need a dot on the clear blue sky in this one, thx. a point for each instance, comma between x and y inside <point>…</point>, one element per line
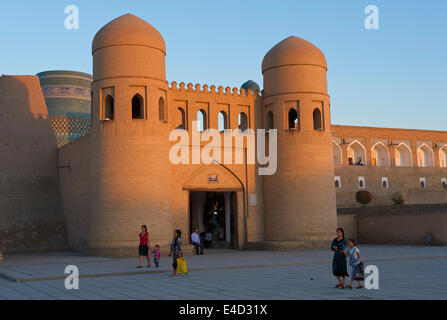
<point>391,77</point>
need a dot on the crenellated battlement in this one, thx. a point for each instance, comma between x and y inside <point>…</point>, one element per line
<point>212,90</point>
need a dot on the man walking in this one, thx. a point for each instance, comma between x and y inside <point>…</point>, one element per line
<point>196,241</point>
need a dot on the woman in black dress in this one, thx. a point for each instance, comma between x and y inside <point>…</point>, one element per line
<point>339,267</point>
<point>176,251</point>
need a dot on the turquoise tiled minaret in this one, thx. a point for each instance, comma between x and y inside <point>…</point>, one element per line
<point>68,98</point>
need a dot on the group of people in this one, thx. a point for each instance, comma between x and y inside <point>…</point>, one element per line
<point>342,249</point>
<point>360,162</point>
<point>143,249</point>
<point>175,252</point>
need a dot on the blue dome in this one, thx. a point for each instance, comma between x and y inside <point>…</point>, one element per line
<point>66,93</point>
<point>251,85</point>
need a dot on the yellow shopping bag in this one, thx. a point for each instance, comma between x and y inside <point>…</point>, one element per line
<point>181,265</point>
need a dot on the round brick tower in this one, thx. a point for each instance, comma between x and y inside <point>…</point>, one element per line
<point>129,147</point>
<point>300,206</point>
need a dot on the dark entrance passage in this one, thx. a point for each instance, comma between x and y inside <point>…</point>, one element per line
<point>214,214</point>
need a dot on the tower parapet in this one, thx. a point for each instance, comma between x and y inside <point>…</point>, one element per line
<point>206,89</point>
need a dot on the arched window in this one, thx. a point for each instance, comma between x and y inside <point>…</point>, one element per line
<point>317,119</point>
<point>243,122</point>
<point>356,154</point>
<point>361,182</point>
<point>161,110</point>
<point>423,183</point>
<point>337,182</point>
<point>137,107</point>
<point>337,153</point>
<point>425,156</point>
<point>403,156</point>
<point>109,108</point>
<point>443,157</point>
<point>269,120</point>
<point>182,124</point>
<point>201,120</point>
<point>222,121</point>
<point>380,155</point>
<point>293,119</point>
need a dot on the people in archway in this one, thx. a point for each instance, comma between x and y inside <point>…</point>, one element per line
<point>176,251</point>
<point>222,227</point>
<point>197,242</point>
<point>360,162</point>
<point>209,237</point>
<point>339,268</point>
<point>144,247</point>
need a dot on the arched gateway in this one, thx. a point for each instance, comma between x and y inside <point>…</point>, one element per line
<point>217,205</point>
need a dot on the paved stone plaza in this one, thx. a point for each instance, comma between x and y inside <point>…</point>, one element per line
<point>406,272</point>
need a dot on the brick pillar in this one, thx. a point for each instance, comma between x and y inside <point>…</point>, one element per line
<point>414,154</point>
<point>368,153</point>
<point>344,153</point>
<point>392,156</point>
<point>436,157</point>
<point>1,257</point>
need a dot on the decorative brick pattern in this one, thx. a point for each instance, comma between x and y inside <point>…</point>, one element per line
<point>68,130</point>
<point>65,91</point>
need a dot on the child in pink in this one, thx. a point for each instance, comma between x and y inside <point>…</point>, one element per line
<point>157,255</point>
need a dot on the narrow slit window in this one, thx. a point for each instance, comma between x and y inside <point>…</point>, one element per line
<point>222,121</point>
<point>182,124</point>
<point>423,183</point>
<point>317,119</point>
<point>109,108</point>
<point>201,120</point>
<point>137,107</point>
<point>337,181</point>
<point>162,110</point>
<point>243,122</point>
<point>293,119</point>
<point>269,120</point>
<point>361,183</point>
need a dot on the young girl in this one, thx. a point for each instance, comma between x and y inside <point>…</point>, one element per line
<point>157,255</point>
<point>354,259</point>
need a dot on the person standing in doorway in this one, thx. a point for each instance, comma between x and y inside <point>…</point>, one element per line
<point>144,247</point>
<point>195,240</point>
<point>339,267</point>
<point>176,251</point>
